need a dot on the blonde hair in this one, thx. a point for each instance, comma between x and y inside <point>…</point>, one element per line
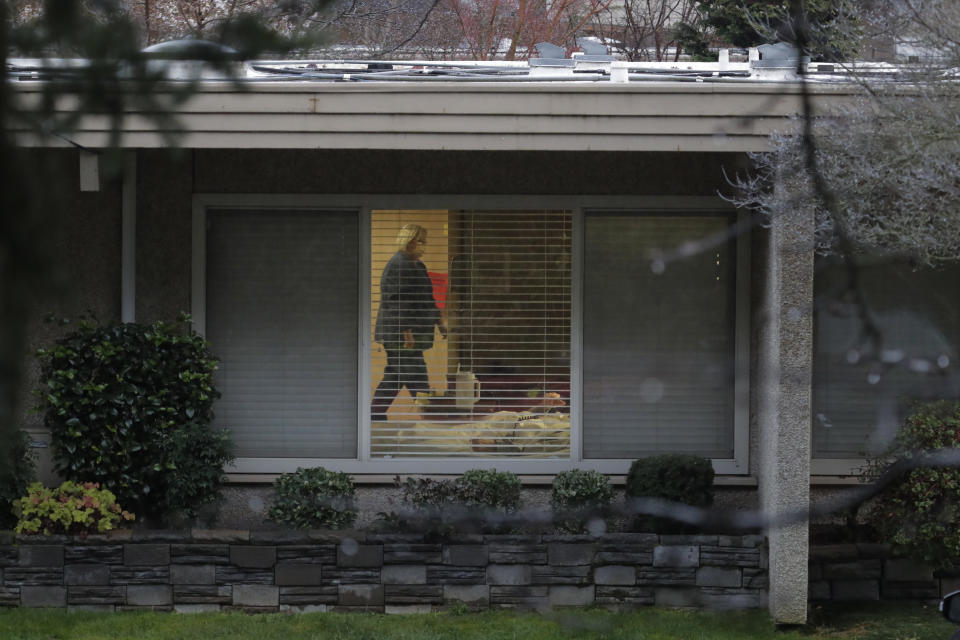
<point>408,235</point>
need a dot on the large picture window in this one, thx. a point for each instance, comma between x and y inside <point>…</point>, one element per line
<point>658,335</point>
<point>471,333</point>
<point>403,340</point>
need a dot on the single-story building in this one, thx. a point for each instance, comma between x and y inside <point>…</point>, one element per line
<point>601,301</point>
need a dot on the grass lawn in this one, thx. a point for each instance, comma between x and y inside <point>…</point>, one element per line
<point>878,622</point>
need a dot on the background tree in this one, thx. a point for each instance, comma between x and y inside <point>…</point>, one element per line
<point>510,28</point>
<point>640,30</point>
<point>889,158</point>
<point>827,25</point>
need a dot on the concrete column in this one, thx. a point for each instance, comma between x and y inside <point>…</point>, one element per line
<point>785,363</point>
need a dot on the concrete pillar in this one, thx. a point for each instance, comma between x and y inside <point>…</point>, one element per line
<point>785,361</point>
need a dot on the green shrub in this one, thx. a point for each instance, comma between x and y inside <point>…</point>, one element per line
<point>71,509</point>
<point>476,501</point>
<point>676,477</point>
<point>14,478</point>
<point>490,489</point>
<point>918,512</point>
<point>130,406</point>
<point>577,495</point>
<point>314,499</point>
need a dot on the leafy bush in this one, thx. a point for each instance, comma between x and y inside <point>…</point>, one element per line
<point>577,495</point>
<point>476,501</point>
<point>130,406</point>
<point>676,477</point>
<point>314,499</point>
<point>490,489</point>
<point>15,478</point>
<point>72,509</point>
<point>918,512</point>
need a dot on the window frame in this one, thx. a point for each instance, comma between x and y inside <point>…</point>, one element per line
<point>364,464</point>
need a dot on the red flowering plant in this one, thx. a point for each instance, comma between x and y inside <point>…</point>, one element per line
<point>72,509</point>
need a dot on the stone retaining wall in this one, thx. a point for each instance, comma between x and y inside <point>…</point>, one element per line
<point>206,570</point>
<point>865,572</point>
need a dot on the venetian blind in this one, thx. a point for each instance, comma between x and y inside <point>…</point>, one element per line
<point>498,385</point>
<point>658,344</point>
<point>861,395</point>
<point>282,317</point>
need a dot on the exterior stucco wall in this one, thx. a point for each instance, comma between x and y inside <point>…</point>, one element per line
<point>80,235</point>
<point>164,228</point>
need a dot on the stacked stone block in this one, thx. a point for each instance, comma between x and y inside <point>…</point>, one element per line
<point>207,570</point>
<point>869,572</point>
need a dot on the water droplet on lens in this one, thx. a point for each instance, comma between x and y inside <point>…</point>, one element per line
<point>596,526</point>
<point>651,390</point>
<point>892,355</point>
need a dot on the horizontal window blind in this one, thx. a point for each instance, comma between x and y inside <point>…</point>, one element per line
<point>658,344</point>
<point>498,384</point>
<point>282,317</point>
<point>861,395</point>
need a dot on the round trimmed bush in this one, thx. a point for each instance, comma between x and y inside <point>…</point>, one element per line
<point>314,499</point>
<point>675,477</point>
<point>577,495</point>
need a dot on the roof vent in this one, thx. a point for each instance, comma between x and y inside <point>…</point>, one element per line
<point>190,59</point>
<point>593,50</point>
<point>776,62</point>
<point>550,55</point>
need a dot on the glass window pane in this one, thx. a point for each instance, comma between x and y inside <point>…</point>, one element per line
<point>658,343</point>
<point>282,317</point>
<point>862,390</point>
<point>498,384</point>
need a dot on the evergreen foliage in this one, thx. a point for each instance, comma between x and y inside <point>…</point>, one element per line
<point>15,478</point>
<point>476,501</point>
<point>129,406</point>
<point>578,495</point>
<point>314,498</point>
<point>919,511</point>
<point>675,477</point>
<point>827,28</point>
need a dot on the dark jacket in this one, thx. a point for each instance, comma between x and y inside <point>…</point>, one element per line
<point>406,302</point>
